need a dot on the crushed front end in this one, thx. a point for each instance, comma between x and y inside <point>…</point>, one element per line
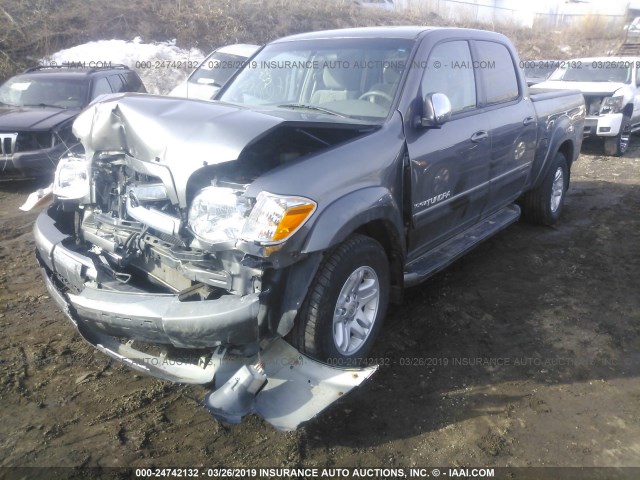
<point>604,115</point>
<point>172,269</point>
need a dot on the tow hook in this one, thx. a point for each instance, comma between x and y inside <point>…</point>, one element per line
<point>237,397</point>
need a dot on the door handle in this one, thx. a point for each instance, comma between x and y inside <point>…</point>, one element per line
<point>528,121</point>
<point>479,136</point>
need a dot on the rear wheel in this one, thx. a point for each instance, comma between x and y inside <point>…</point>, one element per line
<point>618,145</point>
<point>346,304</point>
<point>544,204</point>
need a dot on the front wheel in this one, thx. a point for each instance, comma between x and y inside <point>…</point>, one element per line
<point>346,304</point>
<point>618,145</point>
<point>544,204</point>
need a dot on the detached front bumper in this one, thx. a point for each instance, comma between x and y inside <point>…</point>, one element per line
<point>295,388</point>
<point>603,125</point>
<point>279,384</point>
<point>127,311</point>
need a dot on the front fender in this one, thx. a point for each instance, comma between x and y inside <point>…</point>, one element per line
<point>626,93</point>
<point>334,224</point>
<point>349,213</point>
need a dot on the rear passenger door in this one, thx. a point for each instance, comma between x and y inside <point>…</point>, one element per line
<point>450,164</point>
<point>512,122</point>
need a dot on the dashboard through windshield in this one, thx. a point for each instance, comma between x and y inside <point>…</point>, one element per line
<point>356,78</point>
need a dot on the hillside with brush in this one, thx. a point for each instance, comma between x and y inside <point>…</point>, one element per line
<point>33,29</point>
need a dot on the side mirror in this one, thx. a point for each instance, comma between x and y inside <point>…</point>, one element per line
<point>436,110</point>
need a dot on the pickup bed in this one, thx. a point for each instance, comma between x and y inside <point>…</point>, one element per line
<point>259,239</point>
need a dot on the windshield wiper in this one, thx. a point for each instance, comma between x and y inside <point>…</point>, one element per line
<point>312,107</point>
<point>45,105</point>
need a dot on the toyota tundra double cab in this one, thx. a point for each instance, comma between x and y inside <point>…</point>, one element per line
<point>254,243</point>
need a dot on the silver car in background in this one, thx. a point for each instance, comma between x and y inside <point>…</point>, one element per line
<point>214,71</point>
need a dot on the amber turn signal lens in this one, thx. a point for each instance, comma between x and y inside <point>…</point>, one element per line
<point>293,218</point>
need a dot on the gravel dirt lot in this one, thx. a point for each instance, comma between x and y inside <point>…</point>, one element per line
<point>526,352</point>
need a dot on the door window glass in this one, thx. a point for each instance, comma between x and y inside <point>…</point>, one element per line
<point>101,87</point>
<point>498,72</point>
<point>116,83</point>
<point>450,71</point>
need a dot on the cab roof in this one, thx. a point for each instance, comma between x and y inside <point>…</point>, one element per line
<point>72,71</point>
<point>408,32</point>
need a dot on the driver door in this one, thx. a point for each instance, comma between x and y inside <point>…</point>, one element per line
<point>449,165</point>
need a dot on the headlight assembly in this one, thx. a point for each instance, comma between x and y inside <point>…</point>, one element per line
<point>71,181</point>
<point>223,215</point>
<point>611,105</point>
<point>218,214</point>
<point>275,218</point>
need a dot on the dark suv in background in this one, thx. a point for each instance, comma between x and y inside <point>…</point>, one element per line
<point>38,106</point>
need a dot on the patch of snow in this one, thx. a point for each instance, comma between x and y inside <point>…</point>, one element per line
<point>161,65</point>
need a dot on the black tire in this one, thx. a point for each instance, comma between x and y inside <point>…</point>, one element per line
<point>618,145</point>
<point>313,333</point>
<point>542,205</point>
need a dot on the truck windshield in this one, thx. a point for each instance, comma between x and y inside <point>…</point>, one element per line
<point>356,78</point>
<point>217,69</point>
<point>587,71</point>
<point>32,91</point>
<point>541,69</point>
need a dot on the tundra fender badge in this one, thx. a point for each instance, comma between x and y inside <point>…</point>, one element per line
<point>433,200</point>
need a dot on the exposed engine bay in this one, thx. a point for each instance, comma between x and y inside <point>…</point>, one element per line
<point>142,226</point>
<point>135,223</point>
<point>593,104</point>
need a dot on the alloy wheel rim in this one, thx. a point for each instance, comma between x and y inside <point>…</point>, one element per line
<point>557,190</point>
<point>356,310</point>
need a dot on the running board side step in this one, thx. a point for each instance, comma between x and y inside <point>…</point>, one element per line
<point>432,262</point>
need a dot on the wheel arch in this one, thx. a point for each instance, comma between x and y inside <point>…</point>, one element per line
<point>567,149</point>
<point>373,212</point>
<point>383,232</point>
<point>561,141</point>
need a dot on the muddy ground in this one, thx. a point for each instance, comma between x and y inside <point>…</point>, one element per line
<point>524,353</point>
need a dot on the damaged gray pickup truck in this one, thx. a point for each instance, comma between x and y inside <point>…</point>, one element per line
<point>253,243</point>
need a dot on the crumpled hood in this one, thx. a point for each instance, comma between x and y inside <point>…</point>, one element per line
<point>182,135</point>
<point>171,131</point>
<point>20,119</point>
<point>602,88</point>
